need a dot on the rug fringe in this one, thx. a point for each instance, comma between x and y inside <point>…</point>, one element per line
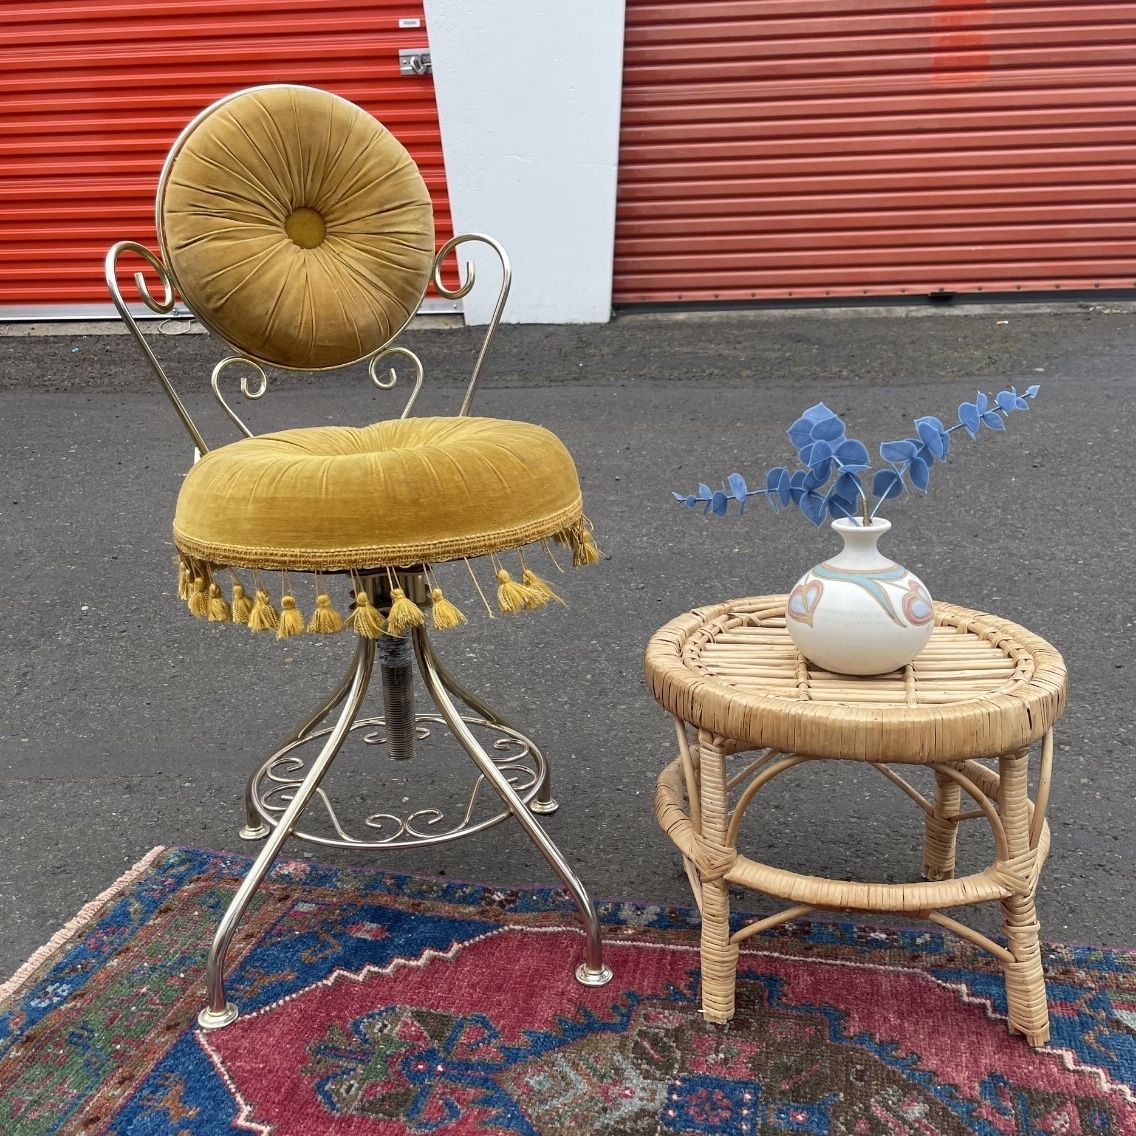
<point>86,915</point>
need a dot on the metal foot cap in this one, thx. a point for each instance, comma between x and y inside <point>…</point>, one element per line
<point>218,1019</point>
<point>543,808</point>
<point>588,977</point>
<point>253,831</point>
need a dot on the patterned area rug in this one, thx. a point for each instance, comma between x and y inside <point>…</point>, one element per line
<point>375,1003</point>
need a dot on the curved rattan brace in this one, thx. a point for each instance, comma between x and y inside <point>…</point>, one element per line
<point>161,307</point>
<point>464,288</point>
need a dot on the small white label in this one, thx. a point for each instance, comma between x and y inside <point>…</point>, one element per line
<point>410,22</point>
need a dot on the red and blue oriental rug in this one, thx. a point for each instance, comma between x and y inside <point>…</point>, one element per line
<point>374,1003</point>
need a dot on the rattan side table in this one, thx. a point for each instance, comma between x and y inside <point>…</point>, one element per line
<point>983,688</point>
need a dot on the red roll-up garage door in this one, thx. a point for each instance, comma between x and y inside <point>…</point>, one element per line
<point>775,149</point>
<point>93,94</point>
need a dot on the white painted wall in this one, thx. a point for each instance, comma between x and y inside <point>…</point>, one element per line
<point>528,99</point>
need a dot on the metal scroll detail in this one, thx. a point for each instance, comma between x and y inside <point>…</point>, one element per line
<point>388,384</point>
<point>161,307</point>
<point>464,288</point>
<point>251,393</point>
<point>275,783</point>
<point>255,385</point>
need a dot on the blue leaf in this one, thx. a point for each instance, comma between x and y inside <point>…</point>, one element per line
<point>815,453</point>
<point>783,483</point>
<point>920,473</point>
<point>738,486</point>
<point>969,417</point>
<point>1006,401</point>
<point>898,451</point>
<point>705,493</point>
<point>933,435</point>
<point>982,403</point>
<point>797,485</point>
<point>818,412</point>
<point>680,497</point>
<point>887,483</point>
<point>850,452</point>
<point>828,429</point>
<point>814,479</point>
<point>1031,391</point>
<point>691,501</point>
<point>800,433</point>
<point>814,508</point>
<point>840,506</point>
<point>847,485</point>
<point>719,504</point>
<point>994,420</point>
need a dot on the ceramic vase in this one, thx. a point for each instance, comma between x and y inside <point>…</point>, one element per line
<point>859,613</point>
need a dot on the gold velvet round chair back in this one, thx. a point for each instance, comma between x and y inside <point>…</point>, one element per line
<point>295,226</point>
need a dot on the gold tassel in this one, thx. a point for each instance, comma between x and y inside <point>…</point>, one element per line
<point>404,614</point>
<point>511,596</point>
<point>199,598</point>
<point>291,621</point>
<point>584,551</point>
<point>445,614</point>
<point>263,617</point>
<point>325,619</point>
<point>366,619</point>
<point>242,605</point>
<point>540,589</point>
<point>183,580</point>
<point>219,610</point>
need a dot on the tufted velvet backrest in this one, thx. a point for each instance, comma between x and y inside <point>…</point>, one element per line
<point>295,226</point>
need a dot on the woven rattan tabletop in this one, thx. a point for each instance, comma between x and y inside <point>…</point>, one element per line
<point>983,686</point>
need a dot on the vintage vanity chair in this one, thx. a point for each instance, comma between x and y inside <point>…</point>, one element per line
<point>298,230</point>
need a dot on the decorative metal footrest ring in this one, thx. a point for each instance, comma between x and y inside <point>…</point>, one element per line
<point>274,784</point>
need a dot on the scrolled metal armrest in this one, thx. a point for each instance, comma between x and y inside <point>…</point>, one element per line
<point>464,288</point>
<point>162,307</point>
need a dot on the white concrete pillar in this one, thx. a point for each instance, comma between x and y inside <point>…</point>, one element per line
<point>529,99</point>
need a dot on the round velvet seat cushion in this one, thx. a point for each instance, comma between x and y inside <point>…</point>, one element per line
<point>402,492</point>
<point>296,226</point>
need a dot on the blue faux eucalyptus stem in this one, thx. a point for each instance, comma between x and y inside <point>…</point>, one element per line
<point>832,465</point>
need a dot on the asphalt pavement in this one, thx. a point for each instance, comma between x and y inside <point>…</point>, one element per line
<point>126,724</point>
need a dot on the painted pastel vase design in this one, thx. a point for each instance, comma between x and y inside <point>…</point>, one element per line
<point>860,613</point>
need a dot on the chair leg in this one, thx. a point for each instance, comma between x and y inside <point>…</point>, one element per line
<point>254,827</point>
<point>1025,981</point>
<point>941,830</point>
<point>544,803</point>
<point>592,971</point>
<point>219,1011</point>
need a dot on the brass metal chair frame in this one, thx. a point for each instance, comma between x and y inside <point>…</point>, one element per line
<point>279,793</point>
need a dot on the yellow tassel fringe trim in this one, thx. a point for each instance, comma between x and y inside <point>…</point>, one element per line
<point>541,587</point>
<point>263,617</point>
<point>199,598</point>
<point>445,614</point>
<point>404,614</point>
<point>205,600</point>
<point>219,610</point>
<point>325,619</point>
<point>291,620</point>
<point>513,597</point>
<point>366,619</point>
<point>242,605</point>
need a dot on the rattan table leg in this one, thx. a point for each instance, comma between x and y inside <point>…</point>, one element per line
<point>941,831</point>
<point>719,956</point>
<point>1025,982</point>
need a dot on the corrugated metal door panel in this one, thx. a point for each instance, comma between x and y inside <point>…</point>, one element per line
<point>781,149</point>
<point>94,93</point>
